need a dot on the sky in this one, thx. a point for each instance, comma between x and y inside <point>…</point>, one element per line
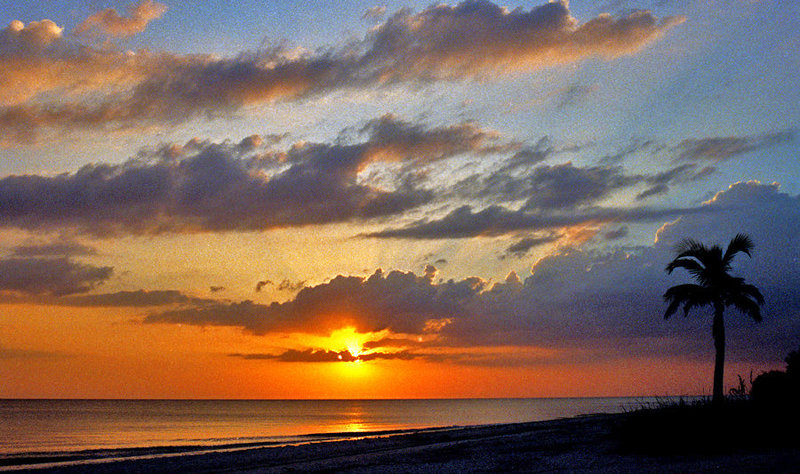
<point>389,200</point>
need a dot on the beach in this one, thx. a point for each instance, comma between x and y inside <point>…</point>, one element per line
<point>580,444</point>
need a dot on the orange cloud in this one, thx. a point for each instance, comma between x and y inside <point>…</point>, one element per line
<point>109,22</point>
<point>469,40</point>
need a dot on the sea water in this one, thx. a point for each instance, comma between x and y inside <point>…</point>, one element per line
<point>63,426</point>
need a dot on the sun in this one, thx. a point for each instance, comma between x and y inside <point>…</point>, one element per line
<point>350,340</point>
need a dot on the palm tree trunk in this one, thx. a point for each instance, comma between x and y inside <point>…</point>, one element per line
<point>718,331</point>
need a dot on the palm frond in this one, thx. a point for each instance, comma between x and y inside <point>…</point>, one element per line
<point>691,248</point>
<point>747,305</point>
<point>741,243</point>
<point>693,266</point>
<point>689,295</point>
<point>752,292</point>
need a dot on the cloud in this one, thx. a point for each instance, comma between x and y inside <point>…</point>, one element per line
<point>289,285</point>
<point>374,13</point>
<point>110,23</point>
<point>322,355</point>
<point>8,353</point>
<point>53,276</point>
<point>475,39</point>
<point>717,149</point>
<point>660,183</point>
<point>614,234</point>
<point>131,299</point>
<point>567,186</point>
<point>586,303</point>
<point>66,249</point>
<point>37,59</point>
<point>464,222</point>
<point>214,187</point>
<point>478,37</point>
<point>402,301</point>
<point>545,187</point>
<point>574,94</point>
<point>393,139</point>
<point>522,247</point>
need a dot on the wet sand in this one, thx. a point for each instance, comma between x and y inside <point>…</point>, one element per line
<point>582,444</point>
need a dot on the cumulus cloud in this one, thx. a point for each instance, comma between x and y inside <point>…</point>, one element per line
<point>110,23</point>
<point>49,276</point>
<point>472,38</point>
<point>402,301</point>
<point>36,58</point>
<point>469,40</point>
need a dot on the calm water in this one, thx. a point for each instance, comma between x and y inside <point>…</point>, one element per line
<point>28,426</point>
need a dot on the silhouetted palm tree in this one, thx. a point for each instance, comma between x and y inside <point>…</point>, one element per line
<point>715,287</point>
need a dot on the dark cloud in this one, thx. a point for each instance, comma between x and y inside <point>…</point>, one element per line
<point>586,303</point>
<point>8,353</point>
<point>468,40</point>
<point>636,145</point>
<point>716,149</point>
<point>49,276</point>
<point>567,186</point>
<point>208,187</point>
<point>261,284</point>
<point>573,95</point>
<point>133,299</point>
<point>216,289</point>
<point>583,301</point>
<point>322,355</point>
<point>392,139</point>
<point>522,247</point>
<point>401,301</point>
<point>617,233</point>
<point>464,222</point>
<point>289,285</point>
<point>65,249</point>
<point>550,187</point>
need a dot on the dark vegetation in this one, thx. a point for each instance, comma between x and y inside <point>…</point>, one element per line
<point>766,419</point>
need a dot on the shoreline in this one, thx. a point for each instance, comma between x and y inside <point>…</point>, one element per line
<point>578,444</point>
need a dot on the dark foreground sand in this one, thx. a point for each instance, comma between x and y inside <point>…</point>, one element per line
<point>583,444</point>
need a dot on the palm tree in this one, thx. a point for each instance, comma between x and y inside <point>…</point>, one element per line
<point>715,287</point>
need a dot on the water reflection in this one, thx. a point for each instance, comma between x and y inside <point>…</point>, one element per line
<point>356,420</point>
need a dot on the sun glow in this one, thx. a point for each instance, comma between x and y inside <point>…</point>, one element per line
<point>351,340</point>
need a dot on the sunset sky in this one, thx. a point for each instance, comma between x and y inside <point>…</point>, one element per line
<point>389,200</point>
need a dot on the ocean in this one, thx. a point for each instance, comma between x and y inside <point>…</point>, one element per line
<point>68,429</point>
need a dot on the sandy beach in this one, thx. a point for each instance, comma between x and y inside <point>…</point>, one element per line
<point>582,444</point>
